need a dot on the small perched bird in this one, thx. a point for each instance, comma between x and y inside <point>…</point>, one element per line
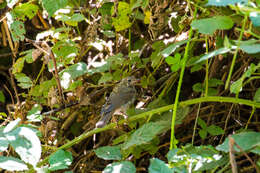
<point>122,96</point>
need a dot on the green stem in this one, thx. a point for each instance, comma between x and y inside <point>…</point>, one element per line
<point>236,52</point>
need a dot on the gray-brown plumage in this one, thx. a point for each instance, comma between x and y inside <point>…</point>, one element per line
<point>122,96</point>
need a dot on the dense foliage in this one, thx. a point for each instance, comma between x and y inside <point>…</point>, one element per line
<point>198,96</point>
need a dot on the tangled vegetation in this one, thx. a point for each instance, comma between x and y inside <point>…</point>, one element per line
<point>198,95</point>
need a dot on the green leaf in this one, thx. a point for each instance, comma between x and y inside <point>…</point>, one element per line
<point>156,54</point>
<point>251,49</point>
<point>3,142</point>
<point>225,2</point>
<point>71,20</point>
<point>26,9</point>
<point>105,9</point>
<point>157,166</point>
<point>236,87</point>
<point>257,96</point>
<point>213,53</point>
<point>255,18</point>
<point>60,160</point>
<point>71,73</point>
<point>11,126</point>
<point>203,133</point>
<point>18,65</point>
<point>121,22</point>
<point>172,47</point>
<point>215,23</point>
<point>28,55</point>
<point>120,167</point>
<point>12,164</point>
<point>2,97</point>
<point>17,30</point>
<point>197,87</point>
<point>202,123</point>
<point>34,115</point>
<point>109,153</point>
<point>215,130</point>
<point>174,62</point>
<point>42,89</point>
<point>213,82</point>
<point>106,77</point>
<point>246,140</point>
<point>26,143</point>
<point>52,6</point>
<point>145,134</point>
<point>24,81</point>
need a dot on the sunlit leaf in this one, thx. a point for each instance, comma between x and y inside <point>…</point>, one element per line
<point>109,153</point>
<point>157,166</point>
<point>215,23</point>
<point>12,164</point>
<point>60,160</point>
<point>214,53</point>
<point>120,167</point>
<point>52,6</point>
<point>225,2</point>
<point>255,18</point>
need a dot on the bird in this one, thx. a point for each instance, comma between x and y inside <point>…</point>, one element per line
<point>122,96</point>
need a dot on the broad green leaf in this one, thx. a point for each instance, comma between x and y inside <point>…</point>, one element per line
<point>202,123</point>
<point>171,48</point>
<point>157,165</point>
<point>251,49</point>
<point>71,20</point>
<point>34,115</point>
<point>28,55</point>
<point>18,65</point>
<point>215,130</point>
<point>71,73</point>
<point>12,164</point>
<point>203,133</point>
<point>105,9</point>
<point>109,153</point>
<point>174,62</point>
<point>213,82</point>
<point>225,2</point>
<point>246,140</point>
<point>42,89</point>
<point>236,87</point>
<point>214,53</point>
<point>12,125</point>
<point>121,22</point>
<point>215,23</point>
<point>26,9</point>
<point>257,96</point>
<point>197,87</point>
<point>65,50</point>
<point>145,134</point>
<point>255,18</point>
<point>120,167</point>
<point>2,97</point>
<point>24,81</point>
<point>17,30</point>
<point>156,54</point>
<point>52,6</point>
<point>3,142</point>
<point>26,143</point>
<point>60,160</point>
<point>105,78</point>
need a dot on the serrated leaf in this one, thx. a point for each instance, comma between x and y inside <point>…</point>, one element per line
<point>236,87</point>
<point>52,6</point>
<point>157,165</point>
<point>26,9</point>
<point>60,160</point>
<point>257,96</point>
<point>109,153</point>
<point>145,134</point>
<point>120,167</point>
<point>225,2</point>
<point>17,30</point>
<point>215,23</point>
<point>24,81</point>
<point>12,164</point>
<point>215,130</point>
<point>246,140</point>
<point>214,53</point>
<point>18,65</point>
